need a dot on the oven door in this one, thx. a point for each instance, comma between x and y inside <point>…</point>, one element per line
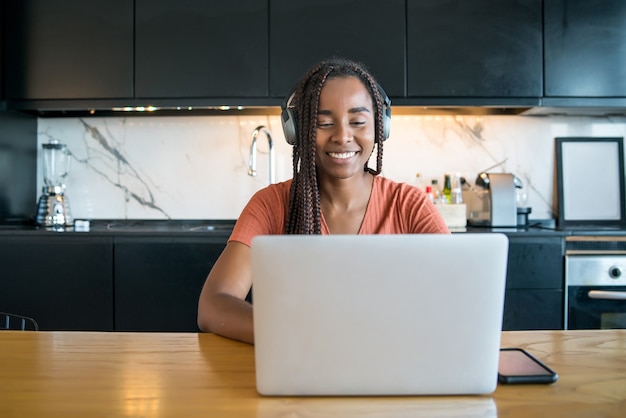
<point>596,307</point>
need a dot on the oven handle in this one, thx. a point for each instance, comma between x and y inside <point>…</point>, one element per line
<point>608,295</point>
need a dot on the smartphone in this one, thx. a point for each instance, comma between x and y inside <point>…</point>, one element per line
<point>519,366</point>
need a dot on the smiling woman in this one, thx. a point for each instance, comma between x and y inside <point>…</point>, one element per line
<point>336,117</point>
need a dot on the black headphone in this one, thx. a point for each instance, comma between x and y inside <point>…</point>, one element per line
<point>288,116</point>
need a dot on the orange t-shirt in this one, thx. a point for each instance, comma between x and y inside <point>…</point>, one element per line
<point>393,208</point>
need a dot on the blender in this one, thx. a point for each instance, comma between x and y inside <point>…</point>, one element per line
<point>53,208</point>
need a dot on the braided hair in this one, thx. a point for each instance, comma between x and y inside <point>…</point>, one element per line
<point>304,216</point>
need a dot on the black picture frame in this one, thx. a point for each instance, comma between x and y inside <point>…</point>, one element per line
<point>590,182</point>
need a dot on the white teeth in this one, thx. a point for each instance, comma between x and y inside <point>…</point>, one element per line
<point>342,155</point>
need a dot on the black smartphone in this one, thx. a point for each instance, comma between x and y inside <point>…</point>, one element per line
<point>519,366</point>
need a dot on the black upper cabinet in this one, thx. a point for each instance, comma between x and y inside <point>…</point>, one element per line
<point>69,49</point>
<point>196,48</point>
<point>304,33</point>
<point>585,48</point>
<point>104,53</point>
<point>478,48</point>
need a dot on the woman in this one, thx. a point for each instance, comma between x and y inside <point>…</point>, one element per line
<point>335,118</point>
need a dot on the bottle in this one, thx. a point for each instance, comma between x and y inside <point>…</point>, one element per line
<point>447,187</point>
<point>430,194</point>
<point>456,195</point>
<point>419,181</point>
<point>434,184</point>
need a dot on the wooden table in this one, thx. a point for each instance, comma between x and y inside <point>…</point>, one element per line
<point>81,374</point>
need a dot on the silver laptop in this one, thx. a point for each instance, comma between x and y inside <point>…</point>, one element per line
<point>378,314</point>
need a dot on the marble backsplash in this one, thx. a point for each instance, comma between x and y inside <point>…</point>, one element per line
<point>196,167</point>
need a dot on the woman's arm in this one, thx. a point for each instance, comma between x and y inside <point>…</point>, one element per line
<point>222,308</point>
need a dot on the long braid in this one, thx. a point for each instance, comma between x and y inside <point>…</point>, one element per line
<point>304,202</point>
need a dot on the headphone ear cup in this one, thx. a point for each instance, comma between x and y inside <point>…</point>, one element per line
<point>386,121</point>
<point>288,119</point>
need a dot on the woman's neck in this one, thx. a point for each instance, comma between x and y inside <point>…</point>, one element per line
<point>344,194</point>
<point>344,203</point>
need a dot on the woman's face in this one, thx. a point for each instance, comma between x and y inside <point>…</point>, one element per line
<point>345,128</point>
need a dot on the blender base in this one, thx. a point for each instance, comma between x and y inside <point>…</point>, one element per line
<point>53,210</point>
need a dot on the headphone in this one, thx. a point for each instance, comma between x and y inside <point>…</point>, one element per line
<point>288,116</point>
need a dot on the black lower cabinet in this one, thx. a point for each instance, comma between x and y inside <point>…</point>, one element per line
<point>158,281</point>
<point>63,282</point>
<point>152,283</point>
<point>534,286</point>
<point>533,309</point>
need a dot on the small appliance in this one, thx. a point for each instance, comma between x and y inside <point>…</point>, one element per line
<point>53,209</point>
<point>493,200</point>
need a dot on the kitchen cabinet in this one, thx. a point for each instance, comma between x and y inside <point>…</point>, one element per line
<point>535,280</point>
<point>158,281</point>
<point>304,33</point>
<point>475,49</point>
<point>69,49</point>
<point>18,167</point>
<point>2,29</point>
<point>64,282</point>
<point>585,48</point>
<point>195,48</point>
<point>151,282</point>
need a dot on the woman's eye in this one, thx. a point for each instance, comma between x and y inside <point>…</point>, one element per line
<point>358,122</point>
<point>323,125</point>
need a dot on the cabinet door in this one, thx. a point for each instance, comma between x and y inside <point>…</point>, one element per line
<point>585,48</point>
<point>18,166</point>
<point>2,93</point>
<point>196,48</point>
<point>534,296</point>
<point>65,283</point>
<point>69,49</point>
<point>304,33</point>
<point>533,309</point>
<point>158,281</point>
<point>536,263</point>
<point>478,48</point>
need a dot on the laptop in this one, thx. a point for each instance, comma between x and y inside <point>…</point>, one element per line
<point>378,314</point>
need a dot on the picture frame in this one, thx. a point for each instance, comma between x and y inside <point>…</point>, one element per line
<point>590,182</point>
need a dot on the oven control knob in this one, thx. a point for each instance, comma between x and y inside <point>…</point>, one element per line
<point>615,272</point>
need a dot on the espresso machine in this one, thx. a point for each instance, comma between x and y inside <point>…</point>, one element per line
<point>53,209</point>
<point>494,200</point>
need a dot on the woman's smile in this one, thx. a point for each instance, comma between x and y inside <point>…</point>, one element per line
<point>342,155</point>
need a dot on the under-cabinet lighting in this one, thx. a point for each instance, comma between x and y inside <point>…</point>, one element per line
<point>133,109</point>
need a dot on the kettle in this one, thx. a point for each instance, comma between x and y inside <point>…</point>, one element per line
<point>493,201</point>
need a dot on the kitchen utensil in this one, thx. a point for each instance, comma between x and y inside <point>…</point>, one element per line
<point>53,209</point>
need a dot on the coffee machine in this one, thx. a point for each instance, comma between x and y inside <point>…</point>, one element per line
<point>53,209</point>
<point>494,200</point>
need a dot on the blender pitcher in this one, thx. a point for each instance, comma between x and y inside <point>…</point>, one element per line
<point>53,208</point>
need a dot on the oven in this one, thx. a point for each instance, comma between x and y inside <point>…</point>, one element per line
<point>595,282</point>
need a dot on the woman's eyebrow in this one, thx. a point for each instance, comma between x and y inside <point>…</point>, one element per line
<point>352,110</point>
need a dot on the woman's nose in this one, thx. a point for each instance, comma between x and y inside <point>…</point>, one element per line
<point>343,132</point>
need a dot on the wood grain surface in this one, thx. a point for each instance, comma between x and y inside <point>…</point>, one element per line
<point>87,374</point>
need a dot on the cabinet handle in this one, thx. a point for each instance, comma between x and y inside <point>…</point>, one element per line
<point>604,294</point>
